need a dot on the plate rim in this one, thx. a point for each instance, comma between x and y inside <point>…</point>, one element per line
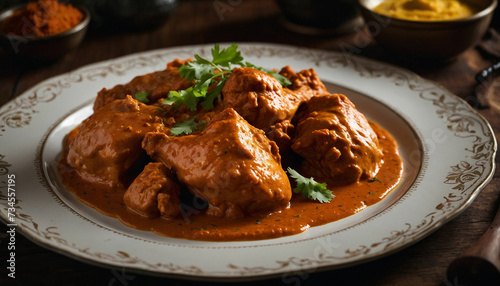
<point>360,59</point>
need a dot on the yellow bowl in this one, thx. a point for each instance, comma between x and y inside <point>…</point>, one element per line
<point>43,48</point>
<point>428,40</point>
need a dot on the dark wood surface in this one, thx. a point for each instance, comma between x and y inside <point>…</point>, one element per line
<point>199,22</point>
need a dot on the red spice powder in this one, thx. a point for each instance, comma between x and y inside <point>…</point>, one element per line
<point>42,18</point>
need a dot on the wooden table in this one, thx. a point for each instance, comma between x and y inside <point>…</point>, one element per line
<point>198,22</point>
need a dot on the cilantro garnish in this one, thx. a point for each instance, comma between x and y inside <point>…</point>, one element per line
<point>309,188</point>
<point>210,74</point>
<point>142,96</point>
<point>185,127</point>
<point>374,179</point>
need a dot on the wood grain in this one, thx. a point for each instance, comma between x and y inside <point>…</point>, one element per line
<point>480,263</point>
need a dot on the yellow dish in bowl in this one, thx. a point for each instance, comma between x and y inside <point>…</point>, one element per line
<point>425,10</point>
<point>427,40</point>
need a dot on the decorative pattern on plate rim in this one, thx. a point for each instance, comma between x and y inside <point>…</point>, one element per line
<point>465,176</point>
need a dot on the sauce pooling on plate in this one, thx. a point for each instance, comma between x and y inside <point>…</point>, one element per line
<point>194,223</point>
<point>272,155</point>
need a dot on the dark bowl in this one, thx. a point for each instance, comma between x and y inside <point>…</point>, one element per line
<point>428,40</point>
<point>43,48</point>
<point>134,14</point>
<point>320,16</point>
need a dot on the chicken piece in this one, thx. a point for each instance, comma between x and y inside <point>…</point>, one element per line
<point>337,139</point>
<point>305,84</point>
<point>263,101</point>
<point>154,192</point>
<point>158,84</point>
<point>282,133</point>
<point>231,164</point>
<point>70,137</point>
<point>258,97</point>
<point>108,143</point>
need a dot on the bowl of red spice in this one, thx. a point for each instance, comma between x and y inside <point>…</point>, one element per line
<point>42,30</point>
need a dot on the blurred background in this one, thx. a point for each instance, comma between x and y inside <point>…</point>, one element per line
<point>118,14</point>
<point>148,13</point>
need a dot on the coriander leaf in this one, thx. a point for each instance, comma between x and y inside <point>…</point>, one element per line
<point>184,127</point>
<point>142,96</point>
<point>374,179</point>
<point>186,96</point>
<point>208,103</point>
<point>201,86</point>
<point>173,97</point>
<point>226,57</point>
<point>194,70</point>
<point>309,188</point>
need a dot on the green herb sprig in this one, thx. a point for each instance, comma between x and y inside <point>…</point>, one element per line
<point>142,96</point>
<point>186,127</point>
<point>210,74</point>
<point>309,188</point>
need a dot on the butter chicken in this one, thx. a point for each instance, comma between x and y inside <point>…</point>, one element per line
<point>226,179</point>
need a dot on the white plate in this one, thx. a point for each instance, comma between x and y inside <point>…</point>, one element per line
<point>448,151</point>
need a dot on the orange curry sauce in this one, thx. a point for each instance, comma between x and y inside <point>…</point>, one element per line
<point>301,214</point>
